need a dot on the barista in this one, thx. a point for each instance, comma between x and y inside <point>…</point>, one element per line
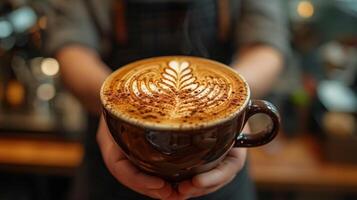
<point>92,38</point>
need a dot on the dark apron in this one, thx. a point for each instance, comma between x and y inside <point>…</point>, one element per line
<point>157,29</point>
<point>175,28</point>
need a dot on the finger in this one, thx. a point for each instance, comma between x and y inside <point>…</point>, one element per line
<point>188,190</point>
<point>226,170</point>
<point>199,182</point>
<point>162,193</point>
<point>128,174</point>
<point>186,186</point>
<point>104,138</point>
<point>109,149</point>
<point>175,196</point>
<point>124,171</point>
<point>204,192</point>
<point>165,192</point>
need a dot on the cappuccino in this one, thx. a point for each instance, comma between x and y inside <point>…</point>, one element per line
<point>174,92</point>
<point>177,116</point>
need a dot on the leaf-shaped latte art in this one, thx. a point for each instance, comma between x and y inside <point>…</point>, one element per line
<point>177,77</point>
<point>177,91</point>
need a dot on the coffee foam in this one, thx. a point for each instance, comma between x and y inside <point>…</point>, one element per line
<point>174,92</point>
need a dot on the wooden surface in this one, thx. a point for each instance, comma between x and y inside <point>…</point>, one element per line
<point>27,153</point>
<point>299,163</point>
<point>285,163</point>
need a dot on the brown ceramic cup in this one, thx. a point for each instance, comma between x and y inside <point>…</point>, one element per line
<point>176,153</point>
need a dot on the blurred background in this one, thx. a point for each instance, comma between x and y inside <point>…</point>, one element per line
<point>314,157</point>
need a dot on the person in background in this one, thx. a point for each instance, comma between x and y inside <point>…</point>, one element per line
<point>91,38</point>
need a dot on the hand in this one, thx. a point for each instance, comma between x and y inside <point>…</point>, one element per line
<point>216,178</point>
<point>125,172</point>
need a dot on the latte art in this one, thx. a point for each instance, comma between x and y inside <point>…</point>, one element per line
<point>175,91</point>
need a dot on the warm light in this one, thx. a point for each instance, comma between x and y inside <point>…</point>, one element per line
<point>49,66</point>
<point>1,90</point>
<point>305,9</point>
<point>42,22</point>
<point>46,91</point>
<point>15,93</point>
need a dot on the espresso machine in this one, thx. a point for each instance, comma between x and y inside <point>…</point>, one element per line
<point>32,100</point>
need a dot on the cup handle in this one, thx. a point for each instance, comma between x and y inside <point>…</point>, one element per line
<point>264,136</point>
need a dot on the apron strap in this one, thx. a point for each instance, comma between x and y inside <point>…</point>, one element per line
<point>120,25</point>
<point>224,19</point>
<point>104,33</point>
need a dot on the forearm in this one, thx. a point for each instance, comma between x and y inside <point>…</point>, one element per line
<point>83,73</point>
<point>260,65</point>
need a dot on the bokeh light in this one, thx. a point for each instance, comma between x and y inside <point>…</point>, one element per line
<point>42,22</point>
<point>22,18</point>
<point>15,93</point>
<point>46,91</point>
<point>305,9</point>
<point>49,66</point>
<point>5,29</point>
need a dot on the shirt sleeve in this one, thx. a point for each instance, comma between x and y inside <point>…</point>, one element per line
<point>263,22</point>
<point>69,22</point>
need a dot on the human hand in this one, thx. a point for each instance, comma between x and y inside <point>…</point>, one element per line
<point>211,181</point>
<point>125,172</point>
<point>214,179</point>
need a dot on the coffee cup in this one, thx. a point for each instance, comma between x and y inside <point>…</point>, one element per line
<point>177,116</point>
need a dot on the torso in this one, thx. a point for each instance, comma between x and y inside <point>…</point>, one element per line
<point>175,28</point>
